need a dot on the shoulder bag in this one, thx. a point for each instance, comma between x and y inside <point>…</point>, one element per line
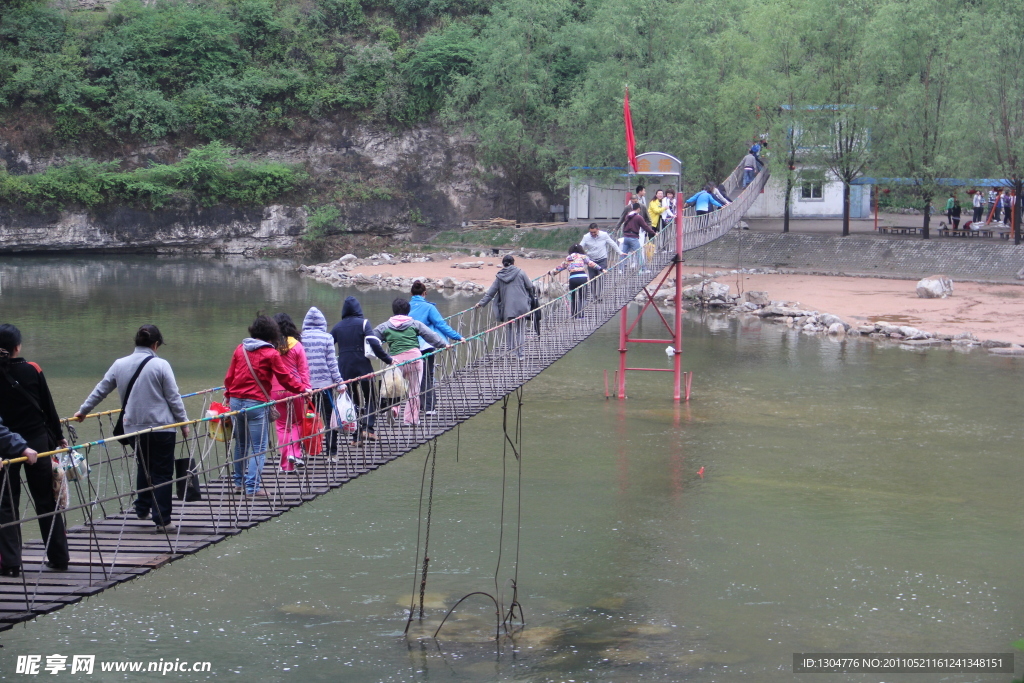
<point>272,412</point>
<point>119,426</point>
<point>367,347</point>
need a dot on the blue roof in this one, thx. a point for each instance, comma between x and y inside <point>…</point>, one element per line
<point>949,182</point>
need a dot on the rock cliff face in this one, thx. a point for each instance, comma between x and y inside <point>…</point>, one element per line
<point>215,231</point>
<point>390,183</point>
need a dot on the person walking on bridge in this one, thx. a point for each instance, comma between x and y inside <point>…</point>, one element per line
<point>149,400</point>
<point>511,293</point>
<point>255,362</point>
<point>323,370</point>
<point>352,335</point>
<point>426,312</point>
<point>402,334</point>
<point>597,243</point>
<point>577,263</point>
<point>639,197</point>
<point>12,446</point>
<point>289,424</point>
<point>703,201</point>
<point>655,210</point>
<point>749,168</point>
<point>26,407</point>
<point>631,229</point>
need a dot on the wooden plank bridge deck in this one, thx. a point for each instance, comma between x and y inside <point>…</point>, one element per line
<point>115,547</point>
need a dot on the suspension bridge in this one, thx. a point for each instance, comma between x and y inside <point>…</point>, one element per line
<point>109,545</point>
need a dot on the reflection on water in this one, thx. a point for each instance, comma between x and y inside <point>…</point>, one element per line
<point>854,498</point>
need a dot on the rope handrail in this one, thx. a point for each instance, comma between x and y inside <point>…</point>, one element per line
<point>493,357</point>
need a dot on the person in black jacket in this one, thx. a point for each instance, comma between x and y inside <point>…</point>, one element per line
<point>26,407</point>
<point>348,335</point>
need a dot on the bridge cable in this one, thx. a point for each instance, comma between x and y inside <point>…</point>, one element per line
<point>431,458</point>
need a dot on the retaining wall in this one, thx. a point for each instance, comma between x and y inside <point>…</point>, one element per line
<point>856,254</point>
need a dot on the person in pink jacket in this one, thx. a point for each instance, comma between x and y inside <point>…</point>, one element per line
<point>289,430</point>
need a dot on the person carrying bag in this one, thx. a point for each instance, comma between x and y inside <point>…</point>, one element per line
<point>150,401</point>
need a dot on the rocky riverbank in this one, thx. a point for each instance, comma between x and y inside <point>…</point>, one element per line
<point>977,315</point>
<point>401,270</point>
<point>710,294</point>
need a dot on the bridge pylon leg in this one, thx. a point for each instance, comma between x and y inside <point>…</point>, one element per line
<point>681,380</point>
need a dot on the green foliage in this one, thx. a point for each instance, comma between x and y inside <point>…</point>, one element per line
<point>220,69</point>
<point>358,192</point>
<point>538,83</point>
<point>322,221</point>
<point>440,58</point>
<point>208,175</point>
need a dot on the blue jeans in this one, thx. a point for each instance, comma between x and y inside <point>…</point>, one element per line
<point>748,176</point>
<point>251,442</point>
<point>629,245</point>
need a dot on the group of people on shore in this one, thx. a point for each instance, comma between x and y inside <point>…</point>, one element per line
<point>994,206</point>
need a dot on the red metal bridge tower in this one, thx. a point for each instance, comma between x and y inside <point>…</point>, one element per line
<point>658,164</point>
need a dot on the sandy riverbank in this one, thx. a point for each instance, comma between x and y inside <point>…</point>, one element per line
<point>990,311</point>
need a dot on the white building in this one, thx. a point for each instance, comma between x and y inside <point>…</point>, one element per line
<point>603,199</point>
<point>811,199</point>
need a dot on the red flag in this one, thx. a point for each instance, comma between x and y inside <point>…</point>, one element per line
<point>630,140</point>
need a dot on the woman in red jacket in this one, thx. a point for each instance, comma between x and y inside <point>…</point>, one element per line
<point>254,365</point>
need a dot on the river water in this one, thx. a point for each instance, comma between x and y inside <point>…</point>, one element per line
<point>854,499</point>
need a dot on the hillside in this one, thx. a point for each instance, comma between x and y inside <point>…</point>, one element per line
<point>388,115</point>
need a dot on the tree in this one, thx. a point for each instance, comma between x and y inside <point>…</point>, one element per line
<point>509,98</point>
<point>999,53</point>
<point>916,50</point>
<point>839,132</point>
<point>784,64</point>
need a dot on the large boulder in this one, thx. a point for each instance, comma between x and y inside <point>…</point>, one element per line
<point>716,290</point>
<point>759,298</point>
<point>935,287</point>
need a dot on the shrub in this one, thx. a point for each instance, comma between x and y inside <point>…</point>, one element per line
<point>208,175</point>
<point>321,222</point>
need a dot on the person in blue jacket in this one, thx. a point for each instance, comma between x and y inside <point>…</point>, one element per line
<point>703,201</point>
<point>426,312</point>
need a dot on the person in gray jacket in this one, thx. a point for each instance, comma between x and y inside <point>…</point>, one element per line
<point>153,402</point>
<point>511,292</point>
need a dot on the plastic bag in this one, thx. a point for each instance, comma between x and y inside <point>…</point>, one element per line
<point>344,415</point>
<point>393,384</point>
<point>74,465</point>
<point>219,429</point>
<point>311,427</point>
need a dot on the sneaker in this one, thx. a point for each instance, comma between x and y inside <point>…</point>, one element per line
<point>430,412</point>
<point>298,462</point>
<point>142,515</point>
<point>13,572</point>
<point>56,567</point>
<point>165,529</point>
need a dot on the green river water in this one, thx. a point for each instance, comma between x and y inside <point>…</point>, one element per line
<point>854,499</point>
